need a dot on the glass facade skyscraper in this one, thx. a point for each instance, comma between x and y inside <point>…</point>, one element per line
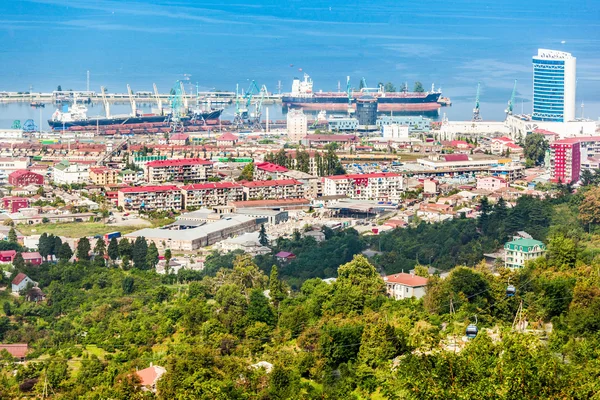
<point>554,81</point>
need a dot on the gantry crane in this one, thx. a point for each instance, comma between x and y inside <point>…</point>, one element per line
<point>158,100</point>
<point>132,101</point>
<point>349,92</point>
<point>476,114</point>
<point>105,102</point>
<point>511,102</point>
<point>256,118</point>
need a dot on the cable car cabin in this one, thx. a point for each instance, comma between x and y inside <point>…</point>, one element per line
<point>471,331</point>
<point>510,291</point>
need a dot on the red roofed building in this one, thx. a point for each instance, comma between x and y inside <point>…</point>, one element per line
<point>565,161</point>
<point>267,170</point>
<point>34,258</point>
<point>180,139</point>
<point>192,170</point>
<point>6,256</point>
<point>17,350</point>
<point>227,139</point>
<point>14,204</point>
<point>380,186</point>
<point>20,282</point>
<point>461,145</point>
<point>403,286</point>
<point>150,376</point>
<point>24,177</point>
<point>285,256</point>
<point>455,157</point>
<point>151,198</point>
<point>274,189</point>
<point>211,194</point>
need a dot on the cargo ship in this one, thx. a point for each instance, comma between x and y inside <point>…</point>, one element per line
<point>75,117</point>
<point>302,95</point>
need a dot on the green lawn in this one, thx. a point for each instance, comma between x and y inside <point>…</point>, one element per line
<point>75,229</point>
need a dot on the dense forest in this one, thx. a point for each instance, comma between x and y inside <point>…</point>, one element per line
<point>344,340</point>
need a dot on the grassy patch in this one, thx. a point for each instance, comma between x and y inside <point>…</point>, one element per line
<point>75,229</point>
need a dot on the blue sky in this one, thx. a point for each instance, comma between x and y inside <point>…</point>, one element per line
<point>452,44</point>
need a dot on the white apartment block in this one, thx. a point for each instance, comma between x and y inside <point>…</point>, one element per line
<point>66,173</point>
<point>297,125</point>
<point>211,194</point>
<point>380,186</point>
<point>151,198</point>
<point>274,189</point>
<point>192,170</point>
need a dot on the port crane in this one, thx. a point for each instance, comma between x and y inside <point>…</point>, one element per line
<point>349,92</point>
<point>511,102</point>
<point>132,101</point>
<point>158,100</point>
<point>105,102</point>
<point>256,117</point>
<point>178,107</point>
<point>476,114</point>
<point>241,114</point>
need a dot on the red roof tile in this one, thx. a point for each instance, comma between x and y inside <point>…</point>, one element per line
<point>19,278</point>
<point>150,375</point>
<point>227,136</point>
<point>406,279</point>
<point>31,255</point>
<point>456,157</point>
<point>270,167</point>
<point>17,350</point>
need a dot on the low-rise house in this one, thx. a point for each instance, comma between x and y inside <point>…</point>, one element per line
<point>20,282</point>
<point>317,235</point>
<point>150,376</point>
<point>403,286</point>
<point>519,251</point>
<point>227,139</point>
<point>128,176</point>
<point>285,256</point>
<point>17,350</point>
<point>13,204</point>
<point>66,173</point>
<point>6,256</point>
<point>491,183</point>
<point>34,258</point>
<point>180,139</point>
<point>267,170</point>
<point>35,295</point>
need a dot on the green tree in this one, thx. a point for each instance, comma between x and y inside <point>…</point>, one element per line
<point>83,249</point>
<point>589,209</point>
<point>562,251</point>
<point>113,249</point>
<point>139,253</point>
<point>259,309</point>
<point>125,248</point>
<point>128,285</point>
<point>418,87</point>
<point>18,261</point>
<point>44,245</point>
<point>263,239</point>
<point>421,270</point>
<point>587,177</point>
<point>167,256</point>
<point>65,253</point>
<point>276,287</point>
<point>247,173</point>
<point>389,87</point>
<point>152,255</point>
<point>12,236</point>
<point>100,247</point>
<point>6,308</point>
<point>57,246</point>
<point>535,149</point>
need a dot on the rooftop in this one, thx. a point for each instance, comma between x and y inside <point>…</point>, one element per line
<point>270,167</point>
<point>179,162</point>
<point>17,350</point>
<point>19,278</point>
<point>227,136</point>
<point>406,279</point>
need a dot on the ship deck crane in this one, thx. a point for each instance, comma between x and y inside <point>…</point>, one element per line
<point>132,101</point>
<point>105,102</point>
<point>158,100</point>
<point>476,114</point>
<point>511,102</point>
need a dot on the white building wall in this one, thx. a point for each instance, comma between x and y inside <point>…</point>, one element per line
<point>297,125</point>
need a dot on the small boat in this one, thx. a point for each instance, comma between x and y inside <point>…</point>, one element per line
<point>37,104</point>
